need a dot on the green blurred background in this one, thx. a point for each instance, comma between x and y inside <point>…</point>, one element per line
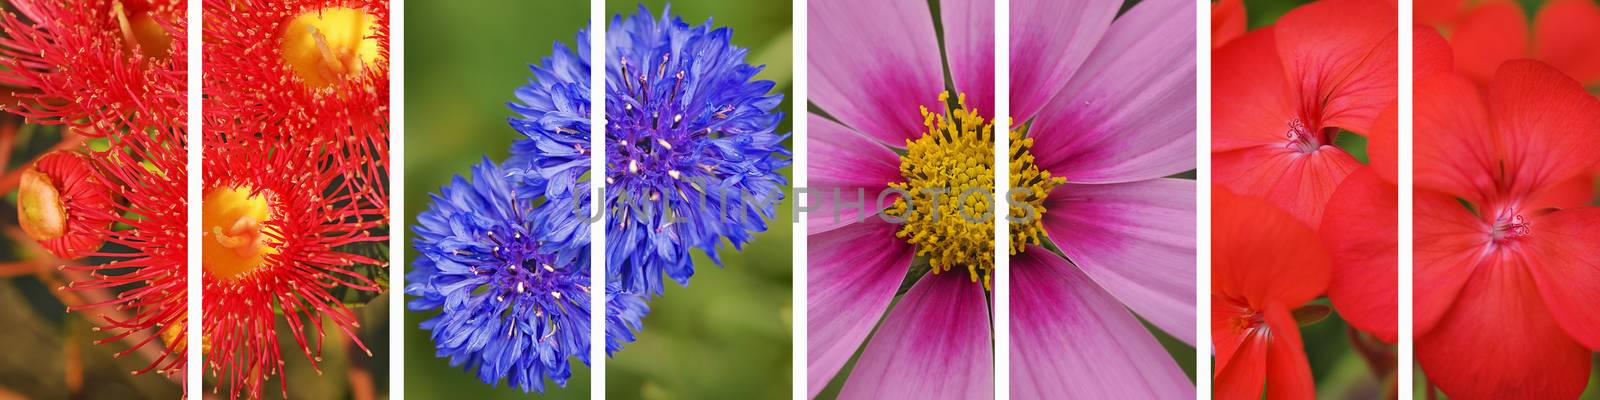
<point>726,335</point>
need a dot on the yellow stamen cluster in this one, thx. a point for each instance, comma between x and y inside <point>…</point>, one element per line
<point>235,226</point>
<point>949,174</point>
<point>1031,186</point>
<point>330,45</point>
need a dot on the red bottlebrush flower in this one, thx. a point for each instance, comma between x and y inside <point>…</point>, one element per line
<point>1506,281</point>
<point>1264,264</point>
<point>277,216</point>
<point>103,66</point>
<point>1488,33</point>
<point>147,263</point>
<point>63,203</point>
<point>316,70</point>
<point>1285,91</point>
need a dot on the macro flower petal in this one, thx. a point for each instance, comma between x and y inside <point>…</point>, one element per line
<point>1448,245</point>
<point>969,46</point>
<point>1489,35</point>
<point>1300,183</point>
<point>1241,368</point>
<point>1128,113</point>
<point>1361,231</point>
<point>1342,56</point>
<point>1383,152</point>
<point>854,165</point>
<point>1288,371</point>
<point>1072,339</point>
<point>1136,240</point>
<point>1050,39</point>
<point>1498,341</point>
<point>1454,149</point>
<point>934,344</point>
<point>1564,33</point>
<point>1431,54</point>
<point>1565,264</point>
<point>1228,20</point>
<point>1248,78</point>
<point>854,272</point>
<point>1572,193</point>
<point>1251,241</point>
<point>873,64</point>
<point>1545,124</point>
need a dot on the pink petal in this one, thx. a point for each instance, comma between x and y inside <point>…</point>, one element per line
<point>934,345</point>
<point>873,63</point>
<point>1129,112</point>
<point>854,272</point>
<point>850,164</point>
<point>969,43</point>
<point>1049,40</point>
<point>1070,339</point>
<point>1566,266</point>
<point>1137,241</point>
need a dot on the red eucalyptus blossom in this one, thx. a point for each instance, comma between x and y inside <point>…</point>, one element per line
<point>277,221</point>
<point>149,244</point>
<point>315,69</point>
<point>104,66</point>
<point>63,203</point>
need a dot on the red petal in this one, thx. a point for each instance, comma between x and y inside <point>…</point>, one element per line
<point>1361,231</point>
<point>1382,146</point>
<point>1430,53</point>
<point>1566,265</point>
<point>1572,193</point>
<point>1248,78</point>
<point>1499,342</point>
<point>1453,146</point>
<point>1342,55</point>
<point>1241,353</point>
<point>1488,36</point>
<point>1449,242</point>
<point>1546,125</point>
<point>1251,242</point>
<point>1565,33</point>
<point>1435,12</point>
<point>1227,21</point>
<point>1288,372</point>
<point>1297,182</point>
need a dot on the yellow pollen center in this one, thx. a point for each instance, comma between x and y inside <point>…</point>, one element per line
<point>949,174</point>
<point>236,232</point>
<point>40,209</point>
<point>140,30</point>
<point>329,45</point>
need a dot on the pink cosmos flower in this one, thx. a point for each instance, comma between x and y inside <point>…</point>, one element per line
<point>1104,107</point>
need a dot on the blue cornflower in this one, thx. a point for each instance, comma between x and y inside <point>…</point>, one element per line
<point>692,153</point>
<point>513,301</point>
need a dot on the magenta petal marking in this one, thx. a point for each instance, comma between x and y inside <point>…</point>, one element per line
<point>853,273</point>
<point>853,165</point>
<point>969,43</point>
<point>1137,241</point>
<point>1049,40</point>
<point>934,345</point>
<point>1072,340</point>
<point>873,63</point>
<point>1129,112</point>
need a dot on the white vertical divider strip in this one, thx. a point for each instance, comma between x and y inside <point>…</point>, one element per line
<point>799,286</point>
<point>1002,183</point>
<point>193,367</point>
<point>597,173</point>
<point>1202,226</point>
<point>1403,379</point>
<point>397,205</point>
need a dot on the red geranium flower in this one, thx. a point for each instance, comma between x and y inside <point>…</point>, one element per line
<point>1284,92</point>
<point>1507,270</point>
<point>1489,32</point>
<point>1256,283</point>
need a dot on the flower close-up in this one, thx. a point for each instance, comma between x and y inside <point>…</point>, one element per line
<point>1102,116</point>
<point>1506,261</point>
